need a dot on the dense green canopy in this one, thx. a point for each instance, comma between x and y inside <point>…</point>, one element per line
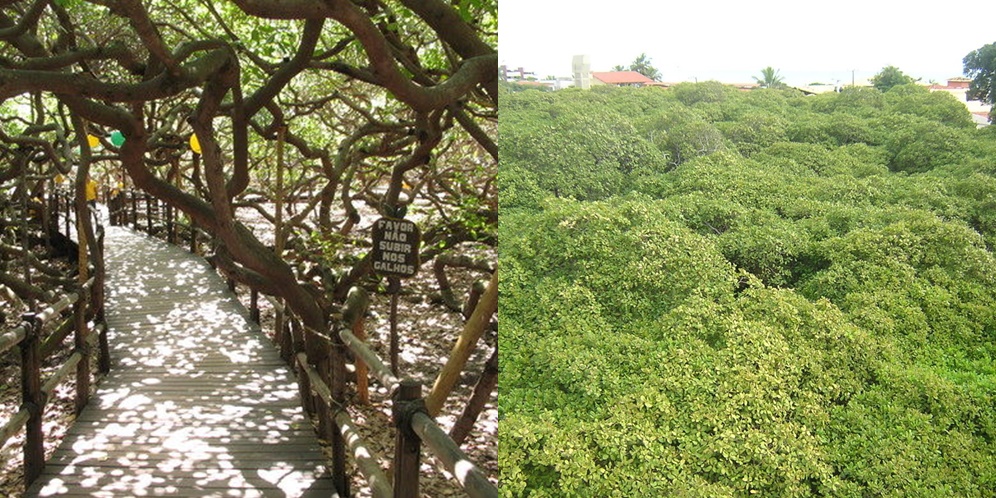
<point>387,102</point>
<point>725,293</point>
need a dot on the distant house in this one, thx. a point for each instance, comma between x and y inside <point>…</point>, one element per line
<point>817,88</point>
<point>620,78</point>
<point>745,87</point>
<point>959,88</point>
<point>541,85</point>
<point>954,84</point>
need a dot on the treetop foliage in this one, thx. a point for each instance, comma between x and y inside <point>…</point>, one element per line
<point>980,65</point>
<point>376,101</point>
<point>780,295</point>
<point>889,77</point>
<point>643,65</point>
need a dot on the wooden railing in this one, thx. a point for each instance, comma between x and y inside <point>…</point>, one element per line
<point>141,211</point>
<point>38,337</point>
<point>411,420</point>
<point>323,381</point>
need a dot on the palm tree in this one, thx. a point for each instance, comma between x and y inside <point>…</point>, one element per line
<point>643,66</point>
<point>770,78</point>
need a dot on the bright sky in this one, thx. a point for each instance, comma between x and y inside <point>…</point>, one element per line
<point>731,41</point>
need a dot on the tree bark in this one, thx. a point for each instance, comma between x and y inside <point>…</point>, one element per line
<point>482,391</point>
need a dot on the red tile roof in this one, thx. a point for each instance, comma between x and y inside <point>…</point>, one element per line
<point>953,84</point>
<point>621,78</point>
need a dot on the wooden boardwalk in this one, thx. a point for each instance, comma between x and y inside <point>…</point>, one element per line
<point>197,403</point>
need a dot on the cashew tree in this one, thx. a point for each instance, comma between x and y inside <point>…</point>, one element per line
<point>381,101</point>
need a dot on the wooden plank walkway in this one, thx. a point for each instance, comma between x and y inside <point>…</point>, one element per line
<point>198,403</point>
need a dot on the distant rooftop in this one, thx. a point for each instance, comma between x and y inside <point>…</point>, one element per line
<point>622,78</point>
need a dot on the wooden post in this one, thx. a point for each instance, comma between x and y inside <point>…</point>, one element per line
<point>104,360</point>
<point>32,398</point>
<point>109,196</point>
<point>286,338</point>
<point>281,331</point>
<point>304,388</point>
<point>134,209</point>
<point>407,446</point>
<point>99,300</point>
<point>159,212</point>
<point>254,305</point>
<point>148,213</point>
<point>170,225</point>
<point>114,207</point>
<point>353,313</point>
<point>296,336</point>
<point>335,364</point>
<point>175,176</point>
<point>80,343</point>
<point>68,210</point>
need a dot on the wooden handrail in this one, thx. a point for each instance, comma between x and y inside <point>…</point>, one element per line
<point>14,425</point>
<point>60,374</point>
<point>54,309</point>
<point>378,369</point>
<point>20,419</point>
<point>10,339</point>
<point>66,301</point>
<point>366,461</point>
<point>453,459</point>
<point>317,383</point>
<point>27,336</point>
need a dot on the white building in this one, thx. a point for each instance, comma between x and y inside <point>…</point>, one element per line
<point>959,88</point>
<point>581,68</point>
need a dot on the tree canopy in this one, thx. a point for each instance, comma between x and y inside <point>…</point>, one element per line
<point>384,102</point>
<point>779,295</point>
<point>980,65</point>
<point>643,65</point>
<point>889,77</point>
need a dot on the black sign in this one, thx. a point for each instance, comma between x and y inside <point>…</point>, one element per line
<point>395,247</point>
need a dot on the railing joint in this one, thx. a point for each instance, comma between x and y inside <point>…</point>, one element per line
<point>402,412</point>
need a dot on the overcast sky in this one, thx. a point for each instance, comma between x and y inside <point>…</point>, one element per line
<point>731,41</point>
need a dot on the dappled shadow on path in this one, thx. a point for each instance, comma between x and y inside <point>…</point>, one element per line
<point>197,404</point>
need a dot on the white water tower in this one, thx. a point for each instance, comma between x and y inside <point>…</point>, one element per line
<point>582,71</point>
